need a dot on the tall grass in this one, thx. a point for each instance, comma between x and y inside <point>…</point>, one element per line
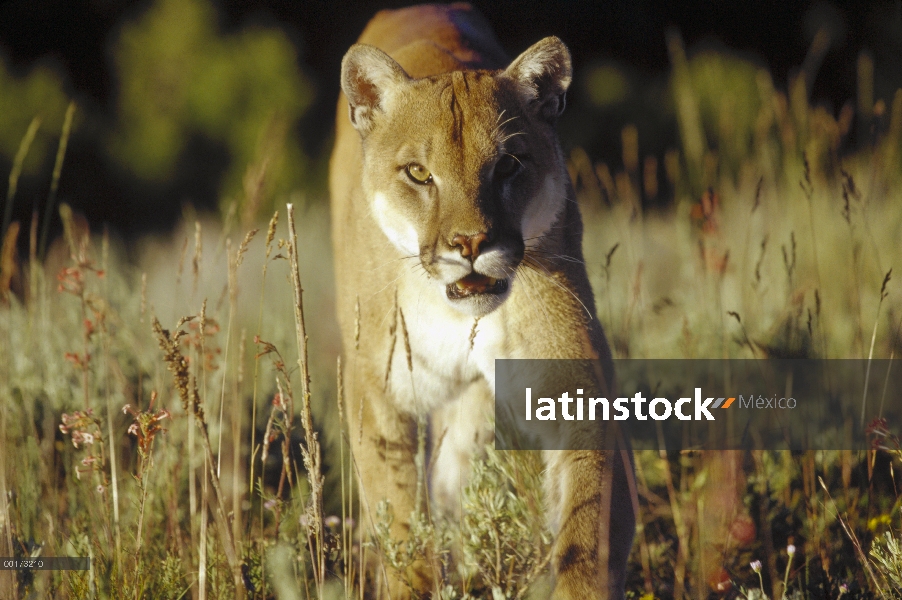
<point>164,418</point>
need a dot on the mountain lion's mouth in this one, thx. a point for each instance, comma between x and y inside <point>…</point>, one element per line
<point>476,284</point>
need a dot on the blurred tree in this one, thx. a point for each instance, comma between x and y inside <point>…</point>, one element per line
<point>728,89</point>
<point>38,94</point>
<point>179,77</point>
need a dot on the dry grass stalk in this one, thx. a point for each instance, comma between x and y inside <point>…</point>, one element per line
<point>855,542</point>
<point>237,424</point>
<point>8,266</point>
<point>682,530</point>
<point>867,374</point>
<point>16,170</point>
<point>198,256</point>
<point>57,171</point>
<point>347,489</point>
<point>8,583</point>
<point>311,449</point>
<point>191,402</point>
<point>107,359</point>
<point>232,264</point>
<point>270,236</point>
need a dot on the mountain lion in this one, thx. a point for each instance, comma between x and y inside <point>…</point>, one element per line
<point>457,241</point>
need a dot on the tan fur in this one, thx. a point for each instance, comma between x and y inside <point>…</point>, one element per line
<point>450,101</point>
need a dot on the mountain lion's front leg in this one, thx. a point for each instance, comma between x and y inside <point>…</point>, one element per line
<point>588,479</point>
<point>385,446</point>
<point>588,492</point>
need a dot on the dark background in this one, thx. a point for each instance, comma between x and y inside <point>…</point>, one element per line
<point>74,35</point>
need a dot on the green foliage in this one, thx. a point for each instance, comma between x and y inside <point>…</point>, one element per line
<point>172,585</point>
<point>503,531</point>
<point>607,85</point>
<point>426,540</point>
<point>502,535</point>
<point>886,554</point>
<point>38,94</point>
<point>179,76</point>
<point>730,92</point>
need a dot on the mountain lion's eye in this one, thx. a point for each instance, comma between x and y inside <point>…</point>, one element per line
<point>419,174</point>
<point>506,166</point>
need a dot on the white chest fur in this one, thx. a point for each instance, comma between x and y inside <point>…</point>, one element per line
<point>448,350</point>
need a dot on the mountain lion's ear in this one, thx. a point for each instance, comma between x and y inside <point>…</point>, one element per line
<point>545,72</point>
<point>368,78</point>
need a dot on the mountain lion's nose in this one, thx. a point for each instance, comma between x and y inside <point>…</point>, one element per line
<point>469,244</point>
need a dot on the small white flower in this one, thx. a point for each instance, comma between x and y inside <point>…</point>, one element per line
<point>756,566</point>
<point>790,550</point>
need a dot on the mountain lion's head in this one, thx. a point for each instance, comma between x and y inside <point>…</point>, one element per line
<point>462,169</point>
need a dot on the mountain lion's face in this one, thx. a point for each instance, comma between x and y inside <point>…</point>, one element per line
<point>463,170</point>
